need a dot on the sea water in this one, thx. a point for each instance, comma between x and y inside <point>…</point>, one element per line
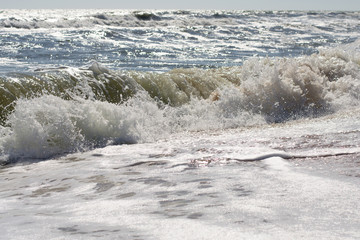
<point>119,124</point>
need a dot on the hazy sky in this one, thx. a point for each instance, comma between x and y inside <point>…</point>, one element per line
<point>353,5</point>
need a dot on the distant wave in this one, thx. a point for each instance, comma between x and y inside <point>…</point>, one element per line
<point>122,18</point>
<point>23,19</point>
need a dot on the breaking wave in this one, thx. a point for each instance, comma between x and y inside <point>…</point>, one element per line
<point>57,111</point>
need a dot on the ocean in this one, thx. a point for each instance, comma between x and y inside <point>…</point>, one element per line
<point>179,124</point>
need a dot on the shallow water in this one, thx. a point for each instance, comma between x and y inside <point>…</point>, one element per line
<point>195,185</point>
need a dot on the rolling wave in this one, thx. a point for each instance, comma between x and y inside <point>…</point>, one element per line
<point>70,109</point>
